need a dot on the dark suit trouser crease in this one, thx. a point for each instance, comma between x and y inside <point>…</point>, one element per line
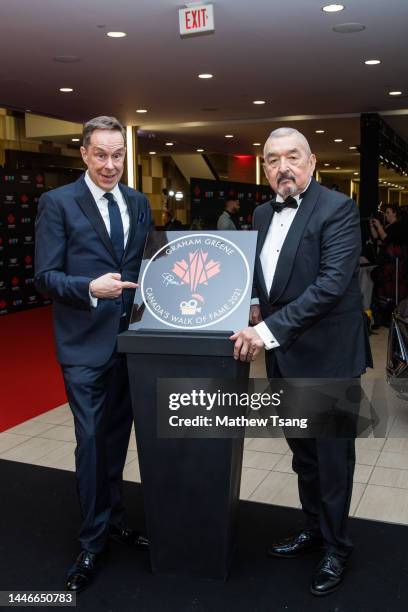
<point>325,469</point>
<point>100,402</point>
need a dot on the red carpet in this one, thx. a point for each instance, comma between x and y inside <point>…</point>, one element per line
<point>30,378</point>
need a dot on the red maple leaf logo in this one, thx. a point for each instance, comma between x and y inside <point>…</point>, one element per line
<point>3,304</point>
<point>197,271</point>
<point>24,198</point>
<point>28,259</point>
<point>11,218</point>
<point>14,281</point>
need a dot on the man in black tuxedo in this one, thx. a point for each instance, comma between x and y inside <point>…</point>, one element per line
<point>307,313</point>
<point>90,237</point>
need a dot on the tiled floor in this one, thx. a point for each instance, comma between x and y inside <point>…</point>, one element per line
<point>381,476</point>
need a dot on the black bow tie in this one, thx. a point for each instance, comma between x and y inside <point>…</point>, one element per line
<point>290,202</point>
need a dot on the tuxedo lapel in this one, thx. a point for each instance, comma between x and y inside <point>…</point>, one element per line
<point>262,227</point>
<point>292,241</point>
<point>88,206</point>
<point>264,224</point>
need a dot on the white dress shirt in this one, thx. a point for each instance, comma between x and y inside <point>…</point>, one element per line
<point>102,204</point>
<point>275,238</point>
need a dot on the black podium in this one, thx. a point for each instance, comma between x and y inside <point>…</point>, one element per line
<point>190,486</point>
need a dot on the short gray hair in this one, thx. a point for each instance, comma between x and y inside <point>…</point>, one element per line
<point>288,131</point>
<point>101,123</point>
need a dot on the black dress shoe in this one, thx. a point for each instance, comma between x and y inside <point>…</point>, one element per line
<point>329,575</point>
<point>129,536</point>
<point>81,574</point>
<point>292,547</point>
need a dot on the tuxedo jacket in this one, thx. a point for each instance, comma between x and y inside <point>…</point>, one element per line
<point>72,248</point>
<point>314,307</point>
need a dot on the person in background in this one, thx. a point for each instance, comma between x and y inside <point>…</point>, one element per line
<point>392,231</point>
<point>390,275</point>
<point>227,220</point>
<point>169,222</point>
<point>90,237</point>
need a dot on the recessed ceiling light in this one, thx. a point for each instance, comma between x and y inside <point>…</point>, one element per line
<point>338,167</point>
<point>152,152</point>
<point>355,173</point>
<point>205,75</point>
<point>372,62</point>
<point>229,135</point>
<point>28,110</point>
<point>352,148</point>
<point>256,144</point>
<point>259,102</point>
<point>394,93</point>
<point>332,8</point>
<point>141,110</point>
<point>319,131</point>
<point>75,139</point>
<point>200,150</point>
<point>169,144</point>
<point>338,140</point>
<point>66,89</point>
<point>116,34</point>
<point>327,165</point>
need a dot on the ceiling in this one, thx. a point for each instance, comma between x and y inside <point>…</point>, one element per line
<point>285,53</point>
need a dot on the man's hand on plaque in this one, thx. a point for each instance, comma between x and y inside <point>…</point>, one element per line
<point>248,344</point>
<point>255,316</point>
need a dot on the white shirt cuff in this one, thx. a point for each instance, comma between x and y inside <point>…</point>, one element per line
<point>268,338</point>
<point>254,302</point>
<point>93,300</point>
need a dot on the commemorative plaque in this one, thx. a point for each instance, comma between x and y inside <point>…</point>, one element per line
<point>194,291</point>
<point>195,281</point>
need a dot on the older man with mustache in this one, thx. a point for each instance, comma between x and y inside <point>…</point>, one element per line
<point>307,314</point>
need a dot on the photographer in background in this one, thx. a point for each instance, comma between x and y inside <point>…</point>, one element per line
<point>390,276</point>
<point>392,230</point>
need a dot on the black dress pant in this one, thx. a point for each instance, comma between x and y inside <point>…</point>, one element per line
<point>325,469</point>
<point>100,402</point>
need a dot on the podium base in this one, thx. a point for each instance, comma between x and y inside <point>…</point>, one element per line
<point>190,486</point>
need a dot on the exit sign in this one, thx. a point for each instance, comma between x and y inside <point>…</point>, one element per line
<point>196,18</point>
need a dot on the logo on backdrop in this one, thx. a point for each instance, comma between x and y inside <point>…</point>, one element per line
<point>187,284</point>
<point>13,262</point>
